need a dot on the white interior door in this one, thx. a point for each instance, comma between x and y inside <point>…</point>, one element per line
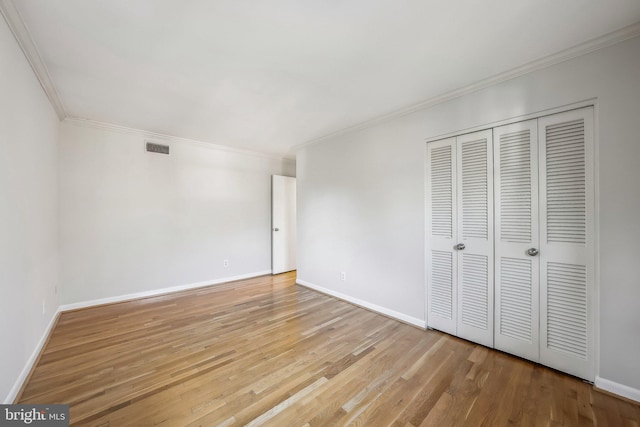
<point>474,244</point>
<point>283,224</point>
<point>567,241</point>
<point>441,259</point>
<point>517,242</point>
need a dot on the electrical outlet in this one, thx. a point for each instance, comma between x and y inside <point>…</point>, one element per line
<point>225,263</point>
<point>343,276</point>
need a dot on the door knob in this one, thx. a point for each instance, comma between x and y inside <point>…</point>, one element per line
<point>276,229</point>
<point>459,247</point>
<point>532,252</point>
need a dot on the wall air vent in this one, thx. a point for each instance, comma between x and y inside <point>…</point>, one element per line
<point>152,147</point>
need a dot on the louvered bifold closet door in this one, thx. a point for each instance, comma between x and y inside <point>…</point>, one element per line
<point>441,235</point>
<point>475,232</point>
<point>567,246</point>
<point>516,222</point>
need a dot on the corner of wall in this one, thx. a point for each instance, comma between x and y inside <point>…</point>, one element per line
<point>414,321</point>
<point>618,389</point>
<point>17,388</point>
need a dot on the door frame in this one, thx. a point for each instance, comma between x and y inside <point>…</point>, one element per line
<point>275,178</point>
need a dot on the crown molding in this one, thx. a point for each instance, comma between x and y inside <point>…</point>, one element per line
<point>23,37</point>
<point>26,43</point>
<point>592,45</point>
<point>169,138</point>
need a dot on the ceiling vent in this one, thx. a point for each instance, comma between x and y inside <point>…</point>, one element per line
<point>152,147</point>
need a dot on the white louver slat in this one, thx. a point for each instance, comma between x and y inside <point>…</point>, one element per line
<point>475,284</point>
<point>516,298</point>
<point>475,210</point>
<point>567,308</point>
<point>441,192</point>
<point>442,284</point>
<point>515,186</point>
<point>566,187</point>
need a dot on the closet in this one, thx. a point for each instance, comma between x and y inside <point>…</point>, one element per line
<point>510,239</point>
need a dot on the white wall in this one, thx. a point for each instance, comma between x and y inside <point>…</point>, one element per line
<point>134,221</point>
<point>361,195</point>
<point>28,212</point>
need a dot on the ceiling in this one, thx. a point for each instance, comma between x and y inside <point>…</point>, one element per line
<point>269,75</point>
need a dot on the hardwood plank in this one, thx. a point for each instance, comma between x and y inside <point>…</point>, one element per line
<point>264,351</point>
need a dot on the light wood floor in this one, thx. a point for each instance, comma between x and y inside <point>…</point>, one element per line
<point>267,352</point>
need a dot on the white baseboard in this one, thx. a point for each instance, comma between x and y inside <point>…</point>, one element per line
<point>617,388</point>
<point>365,304</point>
<point>13,393</point>
<point>155,292</point>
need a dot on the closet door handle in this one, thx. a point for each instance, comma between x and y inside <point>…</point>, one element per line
<point>459,247</point>
<point>532,252</point>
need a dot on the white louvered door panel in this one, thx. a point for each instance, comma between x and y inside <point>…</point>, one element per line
<point>517,274</point>
<point>474,154</point>
<point>566,241</point>
<point>441,235</point>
